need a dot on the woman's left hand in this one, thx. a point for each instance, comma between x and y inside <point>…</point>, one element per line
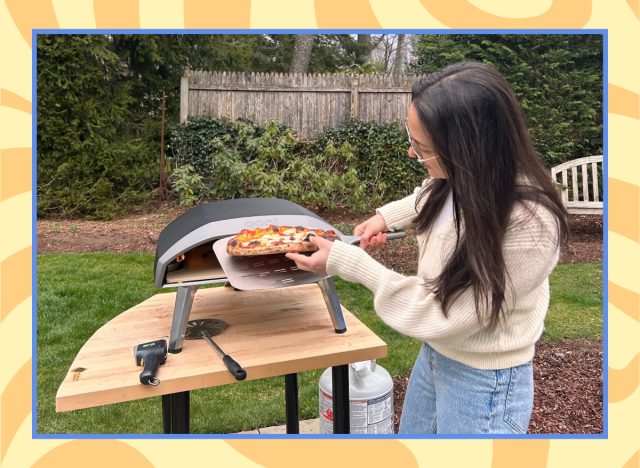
<point>316,263</point>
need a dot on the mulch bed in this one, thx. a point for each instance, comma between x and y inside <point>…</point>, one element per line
<point>567,374</point>
<point>567,391</point>
<point>568,388</point>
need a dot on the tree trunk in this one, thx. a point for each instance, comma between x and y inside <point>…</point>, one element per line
<point>364,48</point>
<point>301,53</point>
<point>397,66</point>
<point>163,172</point>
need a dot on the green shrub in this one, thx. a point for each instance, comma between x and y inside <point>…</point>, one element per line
<point>98,182</point>
<point>186,183</point>
<point>380,158</point>
<point>241,159</point>
<point>193,142</point>
<point>85,167</point>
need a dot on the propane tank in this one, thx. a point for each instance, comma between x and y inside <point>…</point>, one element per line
<point>370,399</point>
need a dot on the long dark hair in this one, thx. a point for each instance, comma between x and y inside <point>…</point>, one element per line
<point>479,132</point>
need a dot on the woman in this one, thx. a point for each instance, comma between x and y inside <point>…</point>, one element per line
<point>489,225</point>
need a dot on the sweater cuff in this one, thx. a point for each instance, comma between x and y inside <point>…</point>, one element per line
<point>353,264</point>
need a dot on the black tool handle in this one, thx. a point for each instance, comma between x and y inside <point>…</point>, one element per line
<point>151,364</point>
<point>236,369</point>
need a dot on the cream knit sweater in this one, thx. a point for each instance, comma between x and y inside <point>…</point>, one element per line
<point>404,303</point>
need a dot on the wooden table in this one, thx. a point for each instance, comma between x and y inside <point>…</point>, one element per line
<point>270,333</point>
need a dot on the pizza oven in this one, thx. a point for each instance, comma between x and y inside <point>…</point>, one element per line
<point>187,255</point>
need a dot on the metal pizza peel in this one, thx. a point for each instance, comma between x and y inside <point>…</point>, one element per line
<point>250,273</point>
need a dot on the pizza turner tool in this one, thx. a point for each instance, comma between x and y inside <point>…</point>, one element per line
<point>250,273</point>
<point>205,329</point>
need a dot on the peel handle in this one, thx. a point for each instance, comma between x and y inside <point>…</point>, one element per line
<point>236,369</point>
<point>392,235</point>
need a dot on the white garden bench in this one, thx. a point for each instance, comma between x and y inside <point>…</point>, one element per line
<point>580,181</point>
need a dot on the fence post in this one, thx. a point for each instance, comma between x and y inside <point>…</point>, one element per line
<point>354,97</point>
<point>184,97</point>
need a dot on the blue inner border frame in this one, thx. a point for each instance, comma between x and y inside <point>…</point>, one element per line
<point>605,275</point>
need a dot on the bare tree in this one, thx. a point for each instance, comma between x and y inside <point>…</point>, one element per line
<point>383,50</point>
<point>399,62</point>
<point>301,53</point>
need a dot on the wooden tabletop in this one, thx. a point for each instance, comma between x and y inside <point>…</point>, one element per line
<point>270,333</point>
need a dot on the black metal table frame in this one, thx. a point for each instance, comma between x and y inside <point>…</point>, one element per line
<point>176,406</point>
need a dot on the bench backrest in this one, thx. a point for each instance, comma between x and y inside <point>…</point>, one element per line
<point>581,183</point>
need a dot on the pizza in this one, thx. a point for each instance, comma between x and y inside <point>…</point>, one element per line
<point>275,239</point>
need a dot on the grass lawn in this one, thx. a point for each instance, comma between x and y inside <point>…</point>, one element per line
<point>78,293</point>
<point>576,302</point>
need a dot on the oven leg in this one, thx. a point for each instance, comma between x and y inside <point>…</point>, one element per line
<point>340,387</point>
<point>181,311</point>
<point>291,403</point>
<point>330,295</point>
<point>175,413</point>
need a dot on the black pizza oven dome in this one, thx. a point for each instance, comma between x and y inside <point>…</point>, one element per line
<point>208,222</point>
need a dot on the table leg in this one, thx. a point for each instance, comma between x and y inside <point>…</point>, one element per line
<point>175,413</point>
<point>340,385</point>
<point>291,403</point>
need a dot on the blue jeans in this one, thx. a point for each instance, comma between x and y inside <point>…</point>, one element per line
<point>447,397</point>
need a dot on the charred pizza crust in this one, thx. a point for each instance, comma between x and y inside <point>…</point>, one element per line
<point>275,240</point>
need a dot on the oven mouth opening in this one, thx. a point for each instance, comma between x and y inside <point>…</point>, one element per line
<point>197,264</point>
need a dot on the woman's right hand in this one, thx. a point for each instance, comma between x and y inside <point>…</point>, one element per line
<point>373,232</point>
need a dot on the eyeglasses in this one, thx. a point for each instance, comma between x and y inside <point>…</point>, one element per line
<point>420,160</point>
<point>413,147</point>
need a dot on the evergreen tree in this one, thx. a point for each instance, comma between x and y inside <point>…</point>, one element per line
<point>85,167</point>
<point>557,78</point>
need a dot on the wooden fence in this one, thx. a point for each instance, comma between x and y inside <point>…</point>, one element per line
<point>309,103</point>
